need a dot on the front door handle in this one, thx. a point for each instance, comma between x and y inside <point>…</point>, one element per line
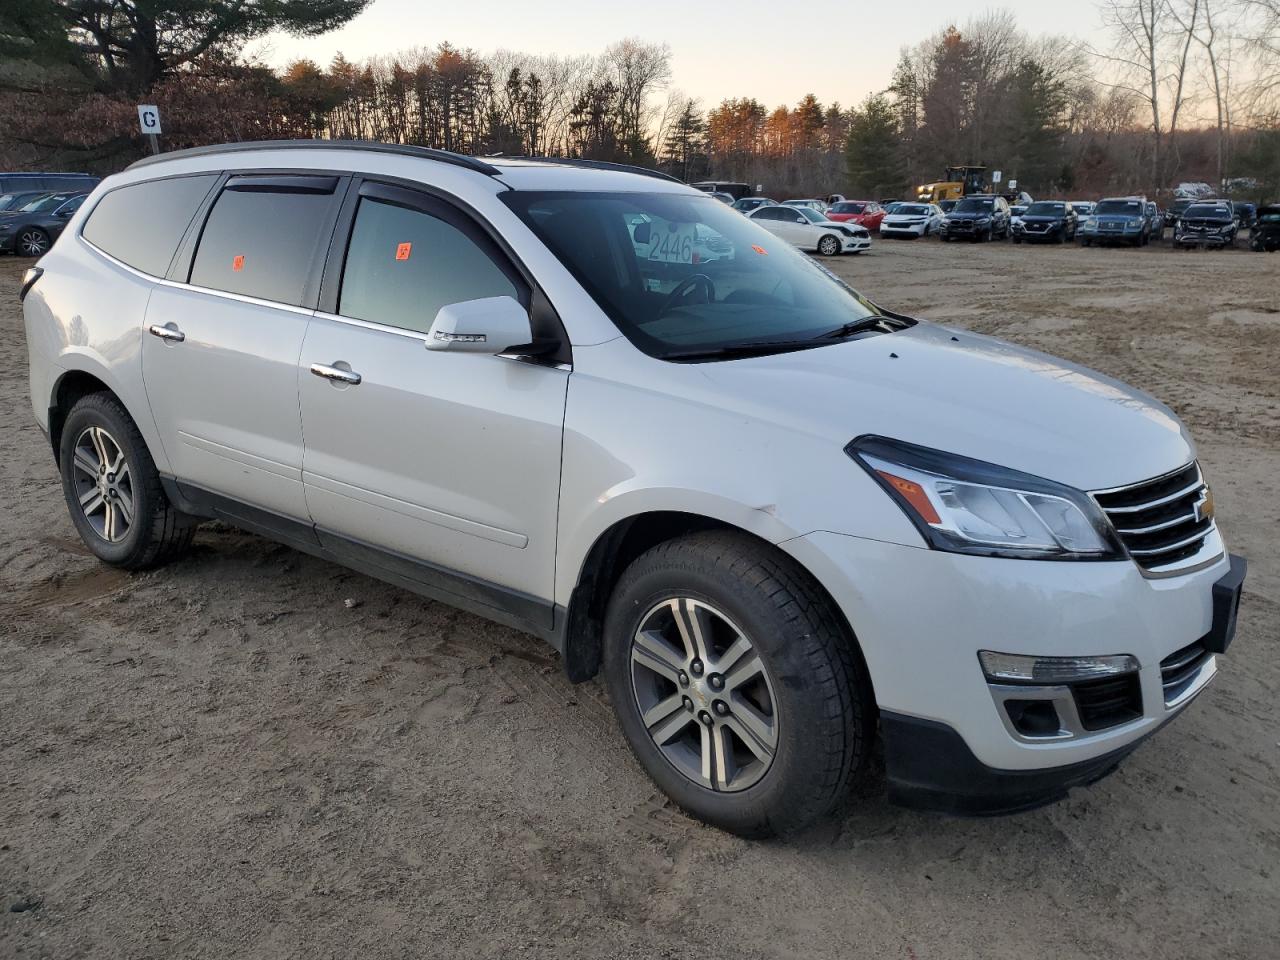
<point>335,373</point>
<point>167,332</point>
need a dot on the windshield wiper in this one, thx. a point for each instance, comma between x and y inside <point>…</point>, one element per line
<point>748,349</point>
<point>861,326</point>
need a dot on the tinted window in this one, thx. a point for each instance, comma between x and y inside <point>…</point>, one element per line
<point>1132,208</point>
<point>975,205</point>
<point>141,224</point>
<point>404,265</point>
<point>1204,210</point>
<point>260,242</point>
<point>1046,209</point>
<point>774,213</point>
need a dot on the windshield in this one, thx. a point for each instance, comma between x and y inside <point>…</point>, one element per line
<point>46,203</point>
<point>1206,211</point>
<point>813,215</point>
<point>974,205</point>
<point>910,210</point>
<point>1046,209</point>
<point>1131,207</point>
<point>681,274</point>
<point>849,207</point>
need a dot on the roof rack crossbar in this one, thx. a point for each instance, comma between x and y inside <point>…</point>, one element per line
<point>403,149</point>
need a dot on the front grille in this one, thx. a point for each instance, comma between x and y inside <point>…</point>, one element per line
<point>1178,670</point>
<point>1161,521</point>
<point>1108,701</point>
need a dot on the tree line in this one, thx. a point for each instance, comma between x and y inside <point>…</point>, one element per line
<point>1184,89</point>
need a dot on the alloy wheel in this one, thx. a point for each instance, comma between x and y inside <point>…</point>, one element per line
<point>104,484</point>
<point>33,243</point>
<point>704,695</point>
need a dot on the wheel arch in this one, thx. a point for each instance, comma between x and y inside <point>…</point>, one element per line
<point>614,550</point>
<point>73,384</point>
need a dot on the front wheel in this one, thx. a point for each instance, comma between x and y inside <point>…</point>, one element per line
<point>735,683</point>
<point>113,489</point>
<point>828,246</point>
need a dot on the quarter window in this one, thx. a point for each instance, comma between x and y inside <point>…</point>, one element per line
<point>142,224</point>
<point>403,265</point>
<point>262,236</point>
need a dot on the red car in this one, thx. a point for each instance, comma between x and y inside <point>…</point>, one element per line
<point>867,213</point>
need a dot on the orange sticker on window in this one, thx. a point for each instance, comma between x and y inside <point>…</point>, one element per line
<point>760,250</point>
<point>237,262</point>
<point>403,251</point>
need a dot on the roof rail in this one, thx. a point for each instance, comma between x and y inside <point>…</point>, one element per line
<point>603,165</point>
<point>403,149</point>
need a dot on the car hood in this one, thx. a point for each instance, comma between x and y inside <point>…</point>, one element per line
<point>1058,218</point>
<point>966,394</point>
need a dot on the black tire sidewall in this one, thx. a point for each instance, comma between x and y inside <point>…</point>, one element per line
<point>781,801</point>
<point>99,410</point>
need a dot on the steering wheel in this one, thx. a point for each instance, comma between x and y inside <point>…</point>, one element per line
<point>685,287</point>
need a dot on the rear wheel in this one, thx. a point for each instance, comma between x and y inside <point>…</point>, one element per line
<point>113,489</point>
<point>828,246</point>
<point>32,242</point>
<point>735,684</point>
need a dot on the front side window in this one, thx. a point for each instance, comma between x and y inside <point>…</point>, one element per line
<point>260,238</point>
<point>403,265</point>
<point>141,224</point>
<point>681,274</point>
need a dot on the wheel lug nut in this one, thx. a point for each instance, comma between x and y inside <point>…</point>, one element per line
<point>688,704</point>
<point>684,680</point>
<point>716,681</point>
<point>721,707</point>
<point>705,718</point>
<point>696,667</point>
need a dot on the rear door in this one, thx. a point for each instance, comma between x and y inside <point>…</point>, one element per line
<point>439,467</point>
<point>220,358</point>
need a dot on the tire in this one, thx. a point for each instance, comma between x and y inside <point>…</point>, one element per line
<point>32,242</point>
<point>821,712</point>
<point>828,246</point>
<point>154,531</point>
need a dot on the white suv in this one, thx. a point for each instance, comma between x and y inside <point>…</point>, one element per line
<point>607,409</point>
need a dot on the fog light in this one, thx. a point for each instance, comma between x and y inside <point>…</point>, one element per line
<point>1034,718</point>
<point>1013,668</point>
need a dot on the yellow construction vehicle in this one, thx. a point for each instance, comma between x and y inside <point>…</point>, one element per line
<point>958,182</point>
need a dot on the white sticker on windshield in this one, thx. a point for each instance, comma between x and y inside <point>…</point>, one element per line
<point>672,243</point>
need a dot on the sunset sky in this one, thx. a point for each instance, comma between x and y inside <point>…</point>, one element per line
<point>774,50</point>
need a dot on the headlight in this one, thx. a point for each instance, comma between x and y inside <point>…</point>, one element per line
<point>1091,224</point>
<point>969,506</point>
<point>1130,225</point>
<point>984,219</point>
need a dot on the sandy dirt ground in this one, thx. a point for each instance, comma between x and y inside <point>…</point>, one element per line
<point>221,759</point>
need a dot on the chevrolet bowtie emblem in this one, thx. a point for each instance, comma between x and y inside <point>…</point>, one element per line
<point>1204,506</point>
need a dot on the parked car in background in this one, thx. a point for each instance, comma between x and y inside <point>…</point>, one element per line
<point>1016,210</point>
<point>834,198</point>
<point>1174,210</point>
<point>978,218</point>
<point>1118,220</point>
<point>1265,235</point>
<point>809,230</point>
<point>1207,223</point>
<point>747,204</point>
<point>911,220</point>
<point>1156,218</point>
<point>946,206</point>
<point>1047,221</point>
<point>48,182</point>
<point>31,230</point>
<point>731,187</point>
<point>1083,208</point>
<point>1246,214</point>
<point>865,213</point>
<point>725,198</point>
<point>791,530</point>
<point>12,201</point>
<point>812,204</point>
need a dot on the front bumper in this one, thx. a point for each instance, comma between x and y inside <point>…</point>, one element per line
<point>1035,236</point>
<point>921,616</point>
<point>1111,236</point>
<point>903,229</point>
<point>1202,239</point>
<point>963,231</point>
<point>7,242</point>
<point>855,244</point>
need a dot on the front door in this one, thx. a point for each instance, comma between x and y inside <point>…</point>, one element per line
<point>436,466</point>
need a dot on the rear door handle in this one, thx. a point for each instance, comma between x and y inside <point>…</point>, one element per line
<point>335,373</point>
<point>168,332</point>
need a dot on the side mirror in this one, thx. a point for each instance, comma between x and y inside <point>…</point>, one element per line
<point>489,325</point>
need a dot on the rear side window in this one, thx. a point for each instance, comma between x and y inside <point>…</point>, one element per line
<point>142,224</point>
<point>262,235</point>
<point>404,265</point>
